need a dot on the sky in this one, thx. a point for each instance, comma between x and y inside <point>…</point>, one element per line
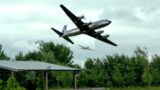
<point>134,23</point>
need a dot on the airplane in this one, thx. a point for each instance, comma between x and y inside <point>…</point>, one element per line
<point>84,28</point>
<point>85,48</point>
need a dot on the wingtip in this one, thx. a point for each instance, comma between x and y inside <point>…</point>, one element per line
<point>61,5</point>
<point>52,28</point>
<point>116,45</point>
<point>72,42</point>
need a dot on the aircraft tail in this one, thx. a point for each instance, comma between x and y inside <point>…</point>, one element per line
<point>64,29</point>
<point>61,33</point>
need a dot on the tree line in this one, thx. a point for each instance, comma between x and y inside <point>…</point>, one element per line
<point>117,70</point>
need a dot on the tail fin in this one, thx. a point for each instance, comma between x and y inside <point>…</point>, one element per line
<point>64,29</point>
<point>60,34</point>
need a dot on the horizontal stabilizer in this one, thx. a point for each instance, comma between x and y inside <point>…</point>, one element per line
<point>68,39</point>
<point>60,34</point>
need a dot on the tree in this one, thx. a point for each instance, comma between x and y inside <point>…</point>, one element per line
<point>119,70</point>
<point>140,61</point>
<point>3,56</point>
<point>89,63</point>
<point>51,53</point>
<point>117,78</point>
<point>62,54</point>
<point>12,84</point>
<point>19,56</point>
<point>82,78</point>
<point>155,70</point>
<point>1,83</point>
<point>3,75</point>
<point>146,77</point>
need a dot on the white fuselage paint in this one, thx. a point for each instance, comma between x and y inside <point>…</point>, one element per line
<point>92,26</point>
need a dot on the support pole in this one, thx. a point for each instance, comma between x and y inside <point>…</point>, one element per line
<point>43,78</point>
<point>74,80</point>
<point>46,80</point>
<point>12,73</point>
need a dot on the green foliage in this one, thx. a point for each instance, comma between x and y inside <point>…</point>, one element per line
<point>110,71</point>
<point>89,63</point>
<point>117,78</point>
<point>119,70</point>
<point>20,56</point>
<point>135,88</point>
<point>3,75</point>
<point>146,77</point>
<point>82,79</point>
<point>3,56</point>
<point>155,70</point>
<point>51,53</point>
<point>62,54</point>
<point>1,83</point>
<point>12,84</point>
<point>64,79</point>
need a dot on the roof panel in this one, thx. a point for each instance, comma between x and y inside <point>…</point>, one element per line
<point>32,66</point>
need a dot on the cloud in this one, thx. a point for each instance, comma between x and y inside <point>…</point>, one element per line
<point>136,13</point>
<point>134,23</point>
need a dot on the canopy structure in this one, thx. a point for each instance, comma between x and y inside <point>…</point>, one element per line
<point>18,66</point>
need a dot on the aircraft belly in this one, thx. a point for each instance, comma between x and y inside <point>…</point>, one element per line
<point>72,34</point>
<point>75,33</point>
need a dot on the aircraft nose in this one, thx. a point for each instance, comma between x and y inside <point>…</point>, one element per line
<point>108,22</point>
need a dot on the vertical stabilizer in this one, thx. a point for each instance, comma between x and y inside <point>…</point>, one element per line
<point>64,29</point>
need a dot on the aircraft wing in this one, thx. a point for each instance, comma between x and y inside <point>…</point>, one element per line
<point>73,17</point>
<point>100,37</point>
<point>80,46</point>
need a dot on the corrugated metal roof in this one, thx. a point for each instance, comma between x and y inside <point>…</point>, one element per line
<point>32,66</point>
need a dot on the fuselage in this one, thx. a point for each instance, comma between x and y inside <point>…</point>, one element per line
<point>85,47</point>
<point>92,26</point>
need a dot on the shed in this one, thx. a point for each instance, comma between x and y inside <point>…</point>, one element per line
<point>18,66</point>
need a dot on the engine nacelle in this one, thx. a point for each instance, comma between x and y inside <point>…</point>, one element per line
<point>81,17</point>
<point>86,24</point>
<point>106,36</point>
<point>89,23</point>
<point>99,32</point>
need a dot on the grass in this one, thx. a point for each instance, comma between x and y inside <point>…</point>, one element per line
<point>135,88</point>
<point>127,88</point>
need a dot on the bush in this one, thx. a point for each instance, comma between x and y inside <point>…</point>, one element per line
<point>12,84</point>
<point>1,84</point>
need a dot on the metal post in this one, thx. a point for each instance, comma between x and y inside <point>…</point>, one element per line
<point>74,80</point>
<point>46,80</point>
<point>12,73</point>
<point>43,78</point>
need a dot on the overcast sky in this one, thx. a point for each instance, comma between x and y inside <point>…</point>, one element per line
<point>134,23</point>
